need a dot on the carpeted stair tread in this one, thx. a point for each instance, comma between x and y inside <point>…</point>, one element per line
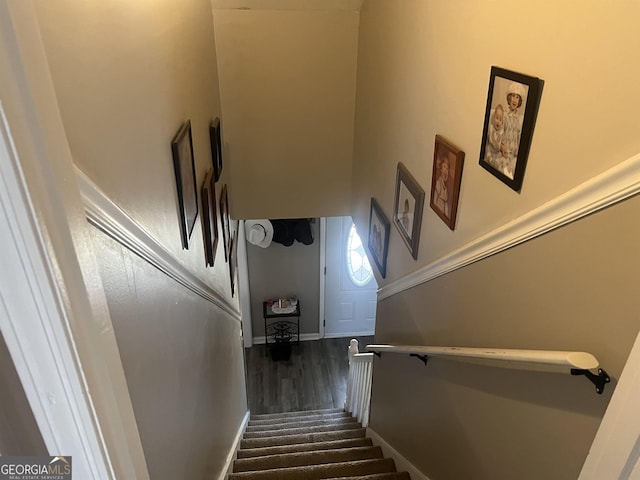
<point>301,424</point>
<point>295,419</point>
<point>302,430</point>
<point>299,459</point>
<point>301,413</point>
<point>377,476</point>
<point>322,471</point>
<point>304,447</point>
<point>304,438</point>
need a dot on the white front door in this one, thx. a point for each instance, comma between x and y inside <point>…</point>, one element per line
<point>350,287</point>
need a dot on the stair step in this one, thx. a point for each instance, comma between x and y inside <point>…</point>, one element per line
<point>304,447</point>
<point>299,459</point>
<point>301,423</point>
<point>299,418</point>
<point>304,438</point>
<point>323,471</point>
<point>302,413</point>
<point>302,430</point>
<point>377,476</point>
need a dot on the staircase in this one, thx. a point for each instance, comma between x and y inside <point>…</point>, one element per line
<point>317,444</point>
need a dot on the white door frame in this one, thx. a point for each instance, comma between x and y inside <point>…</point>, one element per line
<point>323,269</point>
<point>615,452</point>
<point>53,312</point>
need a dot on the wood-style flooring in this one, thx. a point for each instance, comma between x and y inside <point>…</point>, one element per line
<point>313,378</point>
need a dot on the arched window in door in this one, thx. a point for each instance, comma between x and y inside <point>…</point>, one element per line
<point>358,264</point>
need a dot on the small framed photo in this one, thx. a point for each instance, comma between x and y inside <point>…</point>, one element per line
<point>209,218</point>
<point>378,236</point>
<point>509,119</point>
<point>407,212</point>
<point>215,138</point>
<point>233,262</point>
<point>445,181</point>
<point>185,171</point>
<point>225,222</point>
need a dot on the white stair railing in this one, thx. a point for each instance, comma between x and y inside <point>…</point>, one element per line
<point>359,383</point>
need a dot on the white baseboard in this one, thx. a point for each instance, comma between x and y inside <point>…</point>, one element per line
<point>402,464</point>
<point>349,334</point>
<point>304,337</point>
<point>233,452</point>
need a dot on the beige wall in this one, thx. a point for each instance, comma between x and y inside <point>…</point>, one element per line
<point>183,359</point>
<point>278,271</point>
<point>572,289</point>
<point>126,75</point>
<point>287,80</point>
<point>19,434</point>
<point>423,69</point>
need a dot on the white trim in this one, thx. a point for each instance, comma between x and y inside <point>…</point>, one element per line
<point>304,337</point>
<point>402,464</point>
<point>323,267</point>
<point>615,449</point>
<point>612,186</point>
<point>244,288</point>
<point>34,326</point>
<point>350,334</point>
<point>233,451</point>
<point>112,220</point>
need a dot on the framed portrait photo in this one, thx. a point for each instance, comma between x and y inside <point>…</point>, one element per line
<point>407,211</point>
<point>233,262</point>
<point>378,237</point>
<point>225,222</point>
<point>445,181</point>
<point>209,218</point>
<point>215,138</point>
<point>510,116</point>
<point>185,171</point>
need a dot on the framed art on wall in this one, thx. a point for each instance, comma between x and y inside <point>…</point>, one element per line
<point>510,116</point>
<point>209,218</point>
<point>445,181</point>
<point>378,236</point>
<point>215,138</point>
<point>407,211</point>
<point>225,222</point>
<point>184,167</point>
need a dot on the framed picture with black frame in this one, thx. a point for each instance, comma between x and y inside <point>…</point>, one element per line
<point>509,120</point>
<point>407,211</point>
<point>215,137</point>
<point>378,242</point>
<point>225,222</point>
<point>185,172</point>
<point>209,218</point>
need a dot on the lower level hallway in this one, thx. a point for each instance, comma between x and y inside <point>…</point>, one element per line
<point>313,378</point>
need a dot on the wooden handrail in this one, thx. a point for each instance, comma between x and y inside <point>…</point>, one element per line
<point>578,363</point>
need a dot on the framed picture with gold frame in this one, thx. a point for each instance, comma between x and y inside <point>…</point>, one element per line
<point>445,181</point>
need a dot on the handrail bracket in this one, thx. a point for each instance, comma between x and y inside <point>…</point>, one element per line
<point>599,380</point>
<point>424,358</point>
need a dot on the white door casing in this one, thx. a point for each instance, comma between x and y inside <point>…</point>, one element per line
<point>349,309</point>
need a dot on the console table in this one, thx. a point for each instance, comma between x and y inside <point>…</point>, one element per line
<point>277,329</point>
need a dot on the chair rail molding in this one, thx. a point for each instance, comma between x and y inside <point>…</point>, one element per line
<point>108,217</point>
<point>612,186</point>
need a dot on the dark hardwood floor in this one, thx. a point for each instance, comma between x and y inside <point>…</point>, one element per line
<point>313,378</point>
